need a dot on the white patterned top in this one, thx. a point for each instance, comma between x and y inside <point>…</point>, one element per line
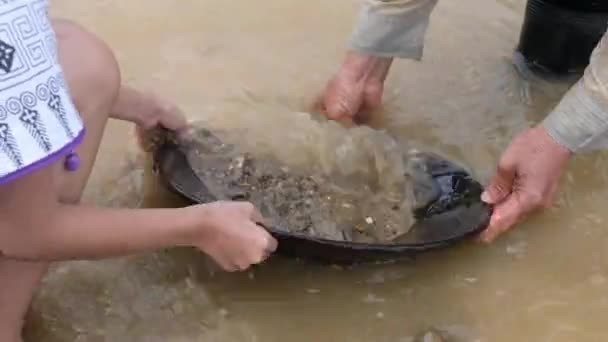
<point>38,120</point>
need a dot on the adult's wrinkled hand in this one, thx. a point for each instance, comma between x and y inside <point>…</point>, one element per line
<point>526,180</point>
<point>356,89</point>
<point>348,100</point>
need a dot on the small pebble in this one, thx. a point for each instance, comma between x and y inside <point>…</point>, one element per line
<point>313,291</point>
<point>369,220</point>
<point>471,280</point>
<point>380,315</point>
<point>372,298</point>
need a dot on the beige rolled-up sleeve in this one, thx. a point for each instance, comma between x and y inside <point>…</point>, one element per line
<point>392,28</point>
<point>580,120</point>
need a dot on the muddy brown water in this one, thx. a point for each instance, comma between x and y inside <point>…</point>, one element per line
<point>545,281</point>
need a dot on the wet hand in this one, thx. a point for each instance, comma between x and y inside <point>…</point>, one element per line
<point>526,180</point>
<point>155,112</point>
<point>233,236</point>
<point>348,100</point>
<point>356,90</point>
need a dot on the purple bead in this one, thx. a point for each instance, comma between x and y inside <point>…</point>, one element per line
<point>72,162</point>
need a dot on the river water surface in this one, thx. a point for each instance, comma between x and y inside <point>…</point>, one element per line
<point>545,281</point>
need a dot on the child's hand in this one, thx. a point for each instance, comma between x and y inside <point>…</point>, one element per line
<point>155,111</point>
<point>159,113</point>
<point>149,111</point>
<point>232,236</point>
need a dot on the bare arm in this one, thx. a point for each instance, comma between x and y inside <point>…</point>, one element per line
<point>36,226</point>
<point>147,110</point>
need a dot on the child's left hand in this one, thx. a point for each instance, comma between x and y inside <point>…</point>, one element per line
<point>149,111</point>
<point>155,111</point>
<point>160,114</point>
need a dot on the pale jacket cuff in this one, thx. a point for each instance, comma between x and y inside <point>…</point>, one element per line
<point>578,122</point>
<point>393,28</point>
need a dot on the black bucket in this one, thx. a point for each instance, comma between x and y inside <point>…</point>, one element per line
<point>558,36</point>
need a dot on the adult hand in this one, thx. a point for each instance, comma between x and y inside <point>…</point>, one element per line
<point>527,179</point>
<point>232,235</point>
<point>356,89</point>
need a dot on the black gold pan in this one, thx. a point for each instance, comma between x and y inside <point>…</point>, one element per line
<point>456,213</point>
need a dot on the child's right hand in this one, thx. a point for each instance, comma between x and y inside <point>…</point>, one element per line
<point>232,236</point>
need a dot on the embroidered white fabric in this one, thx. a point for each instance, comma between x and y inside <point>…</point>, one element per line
<point>38,120</point>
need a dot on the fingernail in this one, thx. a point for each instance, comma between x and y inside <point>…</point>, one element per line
<point>486,197</point>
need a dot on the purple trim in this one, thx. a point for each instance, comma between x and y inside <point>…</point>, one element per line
<point>49,159</point>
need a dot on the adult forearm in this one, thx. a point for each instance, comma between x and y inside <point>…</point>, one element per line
<point>81,232</point>
<point>392,28</point>
<point>580,120</point>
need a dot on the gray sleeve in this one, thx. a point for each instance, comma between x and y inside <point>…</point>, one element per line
<point>392,28</point>
<point>580,120</point>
